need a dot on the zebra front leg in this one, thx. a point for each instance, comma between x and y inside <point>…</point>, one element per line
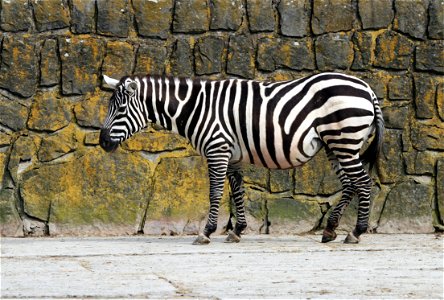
<point>236,184</point>
<point>217,171</point>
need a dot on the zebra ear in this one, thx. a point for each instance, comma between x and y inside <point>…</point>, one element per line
<point>131,86</point>
<point>110,81</point>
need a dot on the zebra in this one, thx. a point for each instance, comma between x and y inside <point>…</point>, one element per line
<point>277,125</point>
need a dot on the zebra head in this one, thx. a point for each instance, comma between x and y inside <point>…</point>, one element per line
<point>123,118</point>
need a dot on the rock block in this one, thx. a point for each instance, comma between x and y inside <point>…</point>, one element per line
<point>375,14</point>
<point>390,164</point>
<point>119,59</point>
<point>181,60</point>
<point>260,15</point>
<point>395,117</point>
<point>241,53</point>
<point>19,65</point>
<point>440,100</point>
<point>153,18</point>
<point>427,136</point>
<point>436,20</point>
<point>10,222</point>
<point>363,47</point>
<point>334,51</point>
<point>430,56</point>
<point>208,55</point>
<point>49,112</point>
<point>425,95</point>
<point>294,18</point>
<point>5,140</point>
<point>112,18</point>
<point>92,110</point>
<point>256,209</point>
<point>377,81</point>
<point>226,15</point>
<point>83,16</point>
<point>440,188</point>
<point>14,114</point>
<point>3,164</point>
<point>156,141</point>
<point>316,177</point>
<point>91,138</point>
<point>281,181</point>
<point>81,62</point>
<point>420,162</point>
<point>23,156</point>
<point>91,198</point>
<point>408,208</point>
<point>411,17</point>
<point>191,16</point>
<point>393,51</point>
<point>58,144</point>
<point>332,16</point>
<point>180,195</point>
<point>15,15</point>
<point>256,175</point>
<point>52,14</point>
<point>295,54</point>
<point>49,63</point>
<point>290,216</point>
<point>151,58</point>
<point>400,87</point>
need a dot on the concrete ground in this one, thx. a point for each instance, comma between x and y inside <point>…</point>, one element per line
<point>266,266</point>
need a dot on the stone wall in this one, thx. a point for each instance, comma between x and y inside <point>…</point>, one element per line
<point>55,180</point>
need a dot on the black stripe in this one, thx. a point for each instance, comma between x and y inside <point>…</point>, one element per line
<point>204,130</point>
<point>345,141</point>
<point>187,110</point>
<point>194,117</point>
<point>243,117</point>
<point>348,129</point>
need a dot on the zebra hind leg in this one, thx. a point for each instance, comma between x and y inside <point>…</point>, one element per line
<point>363,185</point>
<point>355,172</point>
<point>329,233</point>
<point>236,184</point>
<point>217,171</point>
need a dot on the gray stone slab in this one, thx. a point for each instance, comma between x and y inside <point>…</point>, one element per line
<point>382,266</point>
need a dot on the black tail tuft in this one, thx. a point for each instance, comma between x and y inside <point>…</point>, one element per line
<point>371,153</point>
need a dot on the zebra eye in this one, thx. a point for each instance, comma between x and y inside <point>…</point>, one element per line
<point>131,87</point>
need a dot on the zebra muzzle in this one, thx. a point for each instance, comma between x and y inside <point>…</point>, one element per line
<point>106,142</point>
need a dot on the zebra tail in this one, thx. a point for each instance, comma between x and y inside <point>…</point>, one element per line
<point>371,153</point>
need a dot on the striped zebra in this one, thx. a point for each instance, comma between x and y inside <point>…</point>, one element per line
<point>278,125</point>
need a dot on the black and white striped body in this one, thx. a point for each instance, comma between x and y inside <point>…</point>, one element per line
<point>278,125</point>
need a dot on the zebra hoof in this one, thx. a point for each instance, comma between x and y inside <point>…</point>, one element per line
<point>328,236</point>
<point>351,239</point>
<point>232,237</point>
<point>201,240</point>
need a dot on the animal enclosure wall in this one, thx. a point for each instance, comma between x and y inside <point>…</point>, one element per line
<point>55,179</point>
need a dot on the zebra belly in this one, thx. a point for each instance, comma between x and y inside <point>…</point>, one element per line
<point>314,144</point>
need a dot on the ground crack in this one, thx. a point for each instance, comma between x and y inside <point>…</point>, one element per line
<point>180,290</point>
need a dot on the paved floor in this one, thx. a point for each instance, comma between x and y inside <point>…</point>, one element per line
<point>388,266</point>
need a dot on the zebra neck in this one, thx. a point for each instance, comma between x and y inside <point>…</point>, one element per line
<point>169,101</point>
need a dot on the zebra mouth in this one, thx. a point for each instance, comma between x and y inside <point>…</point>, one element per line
<point>107,143</point>
<point>110,146</point>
